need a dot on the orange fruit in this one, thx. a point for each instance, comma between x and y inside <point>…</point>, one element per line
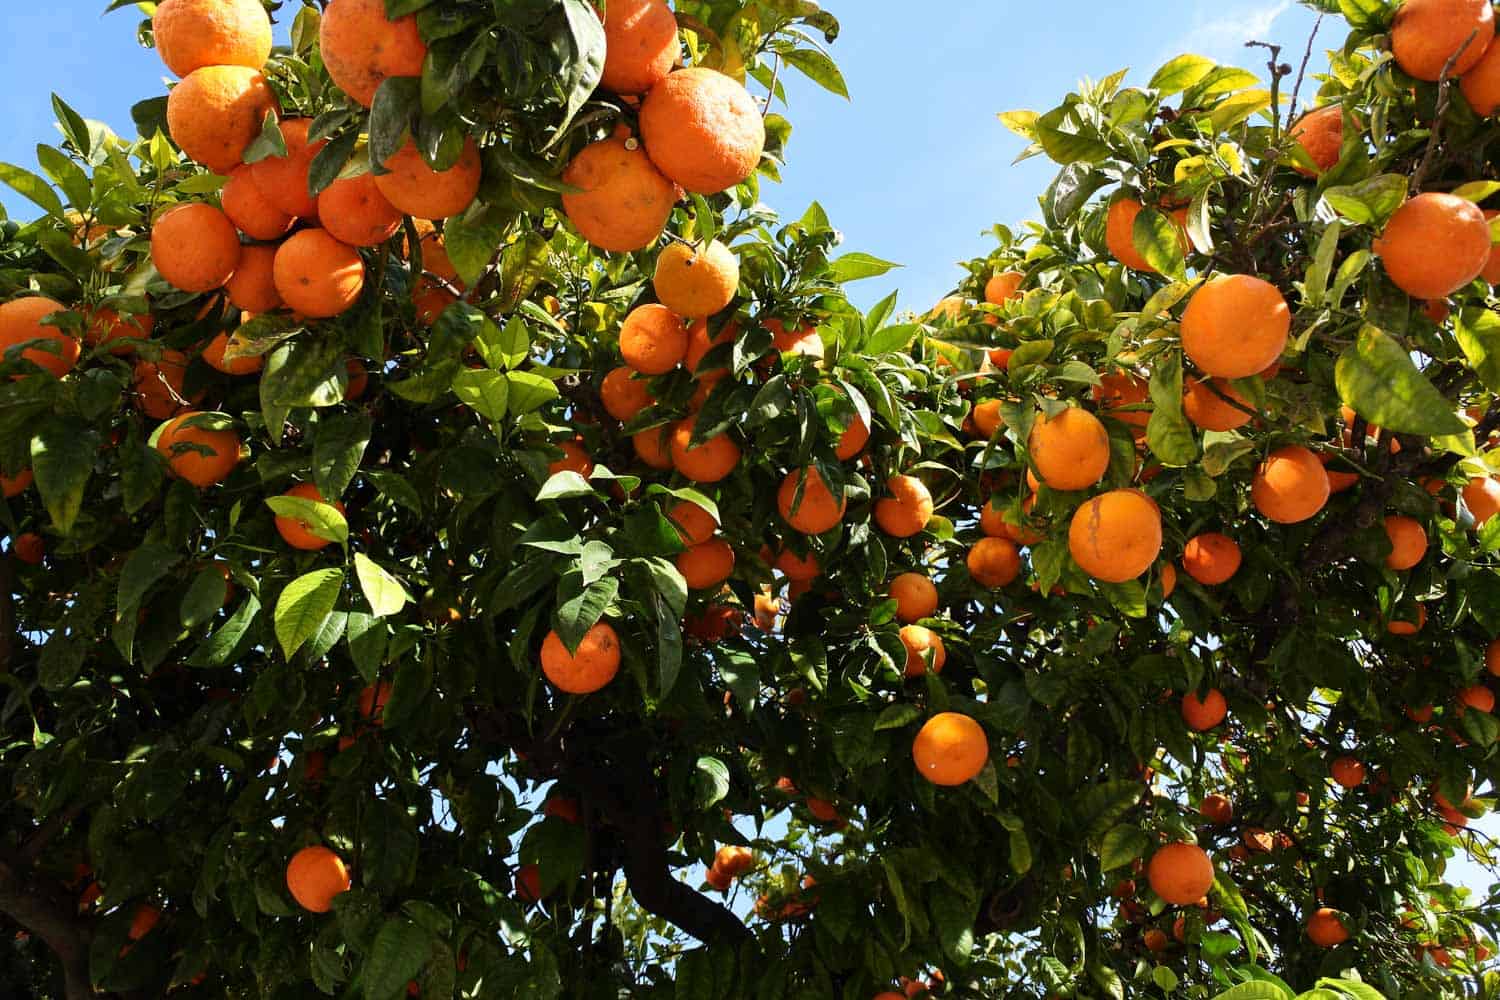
<point>853,440</point>
<point>1347,771</point>
<point>994,562</point>
<point>694,281</point>
<point>1320,133</point>
<point>1217,809</point>
<point>702,129</point>
<point>297,533</point>
<point>1290,486</point>
<point>1181,874</point>
<point>708,462</point>
<point>201,455</point>
<point>431,300</point>
<point>435,259</point>
<point>715,623</point>
<point>1325,929</point>
<point>1070,450</point>
<point>416,189</point>
<point>798,569</point>
<point>734,861</point>
<point>767,607</point>
<point>915,597</point>
<point>213,356</point>
<point>1235,325</point>
<point>694,524</point>
<point>1168,580</point>
<point>252,287</point>
<point>1408,542</point>
<point>950,308</point>
<point>1491,272</point>
<point>816,510</point>
<point>1211,558</point>
<point>1481,85</point>
<point>1203,714</point>
<point>158,385</point>
<point>706,565</point>
<point>1427,33</point>
<point>251,211</point>
<point>1120,389</point>
<point>318,276</point>
<point>1204,402</point>
<point>1155,940</point>
<point>1480,495</point>
<point>314,876</point>
<point>801,340</point>
<point>1434,245</point>
<point>529,884</point>
<point>585,671</point>
<point>106,325</point>
<point>641,45</point>
<point>1403,626</point>
<point>30,548</point>
<point>143,921</point>
<point>653,447</point>
<point>282,180</point>
<point>191,34</point>
<point>699,343</point>
<point>950,749</point>
<point>987,418</point>
<point>1003,287</point>
<point>920,643</point>
<point>216,111</point>
<point>354,211</point>
<point>624,395</point>
<point>14,486</point>
<point>195,247</point>
<point>21,322</point>
<point>653,339</point>
<point>358,378</point>
<point>1119,234</point>
<point>1116,536</point>
<point>574,459</point>
<point>908,508</point>
<point>1491,651</point>
<point>1478,697</point>
<point>361,47</point>
<point>372,701</point>
<point>623,201</point>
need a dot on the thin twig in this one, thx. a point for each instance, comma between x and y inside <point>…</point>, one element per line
<point>771,93</point>
<point>1434,139</point>
<point>1302,72</point>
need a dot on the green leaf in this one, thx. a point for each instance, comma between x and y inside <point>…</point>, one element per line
<point>393,116</point>
<point>580,607</point>
<point>330,161</point>
<point>485,392</point>
<point>28,184</point>
<point>1357,990</point>
<point>1255,990</point>
<point>669,645</point>
<point>1377,378</point>
<point>505,347</point>
<point>819,68</point>
<point>399,951</point>
<point>68,175</point>
<point>73,128</point>
<point>384,592</point>
<point>204,598</point>
<point>897,717</point>
<point>1371,202</point>
<point>219,648</point>
<point>1315,284</point>
<point>302,606</point>
<point>1366,15</point>
<point>1159,241</point>
<point>1180,73</point>
<point>583,63</point>
<point>710,782</point>
<point>856,266</point>
<point>270,142</point>
<point>565,485</point>
<point>529,391</point>
<point>62,458</point>
<point>321,519</point>
<point>338,448</point>
<point>1164,978</point>
<point>471,242</point>
<point>1168,433</point>
<point>1478,333</point>
<point>395,488</point>
<point>1122,845</point>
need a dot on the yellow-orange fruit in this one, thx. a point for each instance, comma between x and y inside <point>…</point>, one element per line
<point>987,417</point>
<point>106,326</point>
<point>1481,85</point>
<point>191,34</point>
<point>853,440</point>
<point>314,876</point>
<point>1235,325</point>
<point>623,201</point>
<point>21,322</point>
<point>798,569</point>
<point>950,749</point>
<point>416,189</point>
<point>203,468</point>
<point>355,212</point>
<point>1181,874</point>
<point>801,340</point>
<point>14,486</point>
<point>1204,403</point>
<point>1320,133</point>
<point>696,281</point>
<point>1119,234</point>
<point>252,287</point>
<point>624,395</point>
<point>694,524</point>
<point>994,562</point>
<point>1402,622</point>
<point>921,644</point>
<point>575,459</point>
<point>216,112</point>
<point>158,385</point>
<point>641,45</point>
<point>816,510</point>
<point>1482,497</point>
<point>318,276</point>
<point>653,339</point>
<point>915,597</point>
<point>1347,772</point>
<point>702,129</point>
<point>707,462</point>
<point>707,565</point>
<point>908,508</point>
<point>1116,536</point>
<point>213,356</point>
<point>1217,809</point>
<point>654,447</point>
<point>1428,33</point>
<point>1434,245</point>
<point>1203,714</point>
<point>195,247</point>
<point>1121,389</point>
<point>1290,486</point>
<point>1211,558</point>
<point>1070,450</point>
<point>593,665</point>
<point>361,47</point>
<point>1325,929</point>
<point>250,210</point>
<point>1408,542</point>
<point>282,180</point>
<point>1003,287</point>
<point>298,533</point>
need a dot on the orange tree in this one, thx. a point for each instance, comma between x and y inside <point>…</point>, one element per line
<point>459,542</point>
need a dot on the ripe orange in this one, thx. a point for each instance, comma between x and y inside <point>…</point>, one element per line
<point>1347,771</point>
<point>1168,580</point>
<point>1408,542</point>
<point>1290,486</point>
<point>798,569</point>
<point>201,455</point>
<point>1204,403</point>
<point>702,129</point>
<point>1211,558</point>
<point>30,548</point>
<point>624,395</point>
<point>528,884</point>
<point>1203,714</point>
<point>355,212</point>
<point>624,202</point>
<point>21,322</point>
<point>1434,245</point>
<point>915,595</point>
<point>994,562</point>
<point>1480,495</point>
<point>1235,325</point>
<point>1003,287</point>
<point>1478,697</point>
<point>143,921</point>
<point>1155,940</point>
<point>695,281</point>
<point>1116,536</point>
<point>734,861</point>
<point>907,510</point>
<point>1491,651</point>
<point>816,510</point>
<point>416,189</point>
<point>767,607</point>
<point>641,45</point>
<point>1123,388</point>
<point>372,701</point>
<point>297,533</point>
<point>801,340</point>
<point>318,276</point>
<point>1181,874</point>
<point>699,343</point>
<point>1325,929</point>
<point>361,47</point>
<point>213,356</point>
<point>191,34</point>
<point>314,876</point>
<point>251,211</point>
<point>106,325</point>
<point>282,180</point>
<point>1070,450</point>
<point>431,300</point>
<point>1119,233</point>
<point>707,565</point>
<point>653,339</point>
<point>950,749</point>
<point>1320,133</point>
<point>920,643</point>
<point>14,486</point>
<point>1427,33</point>
<point>653,447</point>
<point>1481,85</point>
<point>853,440</point>
<point>708,462</point>
<point>216,111</point>
<point>694,524</point>
<point>1403,626</point>
<point>359,378</point>
<point>987,418</point>
<point>590,668</point>
<point>1217,809</point>
<point>574,459</point>
<point>252,287</point>
<point>195,247</point>
<point>158,385</point>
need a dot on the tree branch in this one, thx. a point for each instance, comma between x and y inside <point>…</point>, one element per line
<point>49,912</point>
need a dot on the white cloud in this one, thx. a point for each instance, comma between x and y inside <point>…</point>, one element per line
<point>1222,36</point>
